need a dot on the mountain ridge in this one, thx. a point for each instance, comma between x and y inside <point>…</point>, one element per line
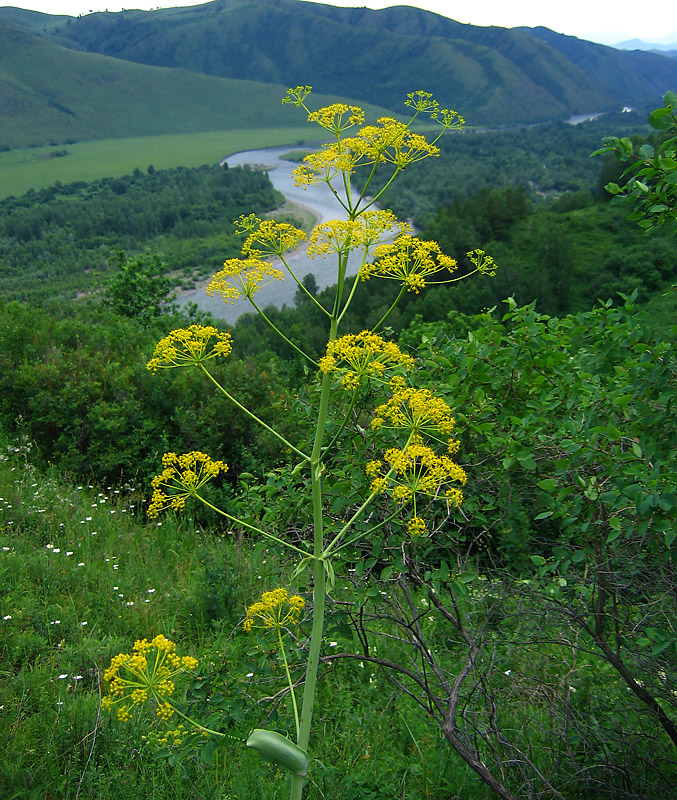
<point>491,75</point>
<point>522,75</point>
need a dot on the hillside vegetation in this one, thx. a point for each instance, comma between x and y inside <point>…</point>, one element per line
<point>495,74</point>
<point>99,97</point>
<point>59,240</point>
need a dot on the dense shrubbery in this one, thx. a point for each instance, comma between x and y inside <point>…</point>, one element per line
<point>74,379</point>
<point>555,582</point>
<point>647,183</point>
<point>540,636</point>
<point>565,260</point>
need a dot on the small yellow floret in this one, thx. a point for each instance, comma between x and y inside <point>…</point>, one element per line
<point>418,411</point>
<point>182,477</point>
<point>413,472</point>
<point>411,261</point>
<point>267,237</point>
<point>333,117</point>
<point>416,526</point>
<point>242,278</point>
<point>148,672</point>
<point>482,262</point>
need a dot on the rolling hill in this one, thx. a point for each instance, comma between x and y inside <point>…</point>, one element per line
<point>98,97</point>
<point>492,75</point>
<point>225,65</point>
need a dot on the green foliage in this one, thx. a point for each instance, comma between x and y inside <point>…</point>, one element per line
<point>511,75</point>
<point>140,288</point>
<point>102,570</point>
<point>55,241</point>
<point>74,380</point>
<point>564,260</point>
<point>556,577</point>
<point>541,393</point>
<point>531,627</point>
<point>649,183</point>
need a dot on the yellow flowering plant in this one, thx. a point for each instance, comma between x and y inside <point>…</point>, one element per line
<point>182,477</point>
<point>364,401</point>
<point>148,673</point>
<point>190,346</point>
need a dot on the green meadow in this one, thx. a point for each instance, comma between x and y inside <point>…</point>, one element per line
<point>37,168</point>
<point>85,574</point>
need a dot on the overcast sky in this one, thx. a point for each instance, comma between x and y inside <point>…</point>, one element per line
<point>622,19</point>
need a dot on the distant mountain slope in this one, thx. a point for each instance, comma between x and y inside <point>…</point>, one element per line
<point>492,75</point>
<point>668,43</point>
<point>622,73</point>
<point>49,93</point>
<point>32,20</point>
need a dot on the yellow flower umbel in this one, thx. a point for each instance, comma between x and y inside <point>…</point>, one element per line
<point>182,476</point>
<point>482,262</point>
<point>416,471</point>
<point>356,358</point>
<point>274,611</point>
<point>337,117</point>
<point>330,161</point>
<point>419,412</point>
<point>297,95</point>
<point>390,142</point>
<point>148,672</point>
<point>242,277</point>
<point>411,261</point>
<point>190,347</point>
<point>342,236</point>
<point>423,102</point>
<point>267,237</point>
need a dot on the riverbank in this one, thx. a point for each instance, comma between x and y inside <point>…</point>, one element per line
<point>310,206</point>
<point>305,218</point>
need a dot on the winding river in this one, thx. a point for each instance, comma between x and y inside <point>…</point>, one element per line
<point>317,199</point>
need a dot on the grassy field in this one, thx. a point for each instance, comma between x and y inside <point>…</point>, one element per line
<point>84,574</point>
<point>37,168</point>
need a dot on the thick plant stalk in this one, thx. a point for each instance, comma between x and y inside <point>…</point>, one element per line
<point>296,792</point>
<point>319,577</point>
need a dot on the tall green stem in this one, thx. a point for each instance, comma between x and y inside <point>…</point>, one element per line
<point>344,422</point>
<point>319,577</point>
<point>160,699</point>
<point>253,416</point>
<point>392,307</point>
<point>280,334</point>
<point>251,527</point>
<point>289,680</point>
